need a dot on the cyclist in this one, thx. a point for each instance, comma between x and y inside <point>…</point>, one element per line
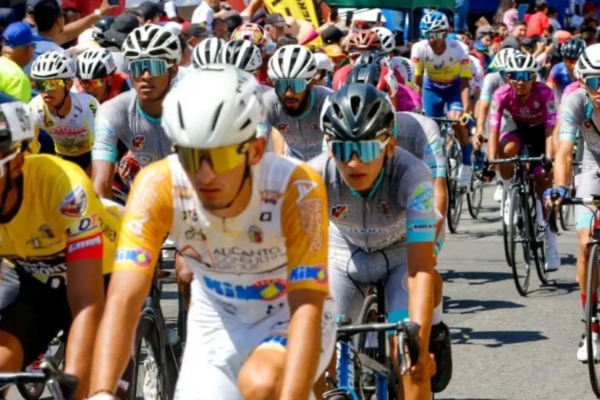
<point>579,115</point>
<point>446,83</point>
<point>134,117</point>
<point>260,325</point>
<point>207,52</point>
<point>402,97</point>
<point>561,75</point>
<point>363,41</point>
<point>97,75</point>
<point>382,215</point>
<point>257,36</point>
<point>244,55</point>
<point>491,82</point>
<point>387,38</point>
<point>294,104</point>
<point>531,106</point>
<point>67,117</point>
<point>55,230</point>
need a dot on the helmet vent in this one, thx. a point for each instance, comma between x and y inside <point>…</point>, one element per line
<point>373,111</point>
<point>337,110</point>
<point>355,104</point>
<point>180,112</point>
<point>216,116</point>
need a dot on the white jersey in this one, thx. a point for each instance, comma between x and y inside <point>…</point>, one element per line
<point>476,81</point>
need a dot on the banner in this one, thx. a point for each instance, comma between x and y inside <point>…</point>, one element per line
<point>302,10</point>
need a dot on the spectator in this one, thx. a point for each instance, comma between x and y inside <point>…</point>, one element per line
<point>501,30</point>
<point>170,10</point>
<point>336,55</point>
<point>7,17</point>
<point>205,13</point>
<point>520,30</point>
<point>325,67</point>
<point>333,35</point>
<point>274,26</point>
<point>233,19</point>
<point>4,98</point>
<point>114,38</point>
<point>71,15</point>
<point>186,54</point>
<point>194,34</point>
<point>589,23</point>
<point>483,41</point>
<point>17,52</point>
<point>553,15</point>
<point>285,40</point>
<point>589,9</point>
<point>539,22</point>
<point>511,42</point>
<point>220,29</point>
<point>150,12</point>
<point>507,14</point>
<point>589,36</point>
<point>29,15</point>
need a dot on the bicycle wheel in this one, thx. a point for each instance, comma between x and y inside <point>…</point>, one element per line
<point>475,195</point>
<point>454,190</point>
<point>591,316</point>
<point>518,231</point>
<point>148,373</point>
<point>565,215</point>
<point>508,254</point>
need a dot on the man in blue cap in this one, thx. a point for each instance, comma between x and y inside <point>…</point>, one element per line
<point>17,51</point>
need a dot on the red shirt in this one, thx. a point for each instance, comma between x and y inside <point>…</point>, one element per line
<point>87,7</point>
<point>537,24</point>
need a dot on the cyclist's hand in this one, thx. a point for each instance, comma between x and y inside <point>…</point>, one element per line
<point>467,119</point>
<point>128,168</point>
<point>477,140</point>
<point>424,369</point>
<point>105,7</point>
<point>554,196</point>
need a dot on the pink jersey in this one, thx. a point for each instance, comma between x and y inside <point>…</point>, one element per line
<point>571,88</point>
<point>539,109</point>
<point>408,99</point>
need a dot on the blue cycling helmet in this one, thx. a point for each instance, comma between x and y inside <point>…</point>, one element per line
<point>434,21</point>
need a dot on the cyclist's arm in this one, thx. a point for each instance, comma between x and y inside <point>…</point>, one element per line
<point>465,78</point>
<point>436,161</point>
<point>572,116</point>
<point>85,292</point>
<point>34,145</point>
<point>550,123</point>
<point>146,222</point>
<point>278,141</point>
<point>104,154</point>
<point>418,67</point>
<point>495,118</point>
<point>306,238</point>
<point>421,228</point>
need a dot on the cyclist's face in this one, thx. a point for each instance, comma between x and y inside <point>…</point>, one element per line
<point>361,176</point>
<point>53,98</point>
<point>99,92</point>
<point>292,100</point>
<point>217,190</point>
<point>521,87</point>
<point>593,95</point>
<point>151,88</point>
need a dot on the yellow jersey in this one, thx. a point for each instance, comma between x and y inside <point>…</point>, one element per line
<point>248,263</point>
<point>58,219</point>
<point>441,70</point>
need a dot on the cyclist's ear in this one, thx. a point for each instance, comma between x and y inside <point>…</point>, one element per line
<point>391,147</point>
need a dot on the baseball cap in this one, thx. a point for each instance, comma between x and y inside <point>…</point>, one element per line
<point>149,10</point>
<point>195,31</point>
<point>511,43</point>
<point>334,51</point>
<point>17,34</point>
<point>275,19</point>
<point>484,30</point>
<point>124,24</point>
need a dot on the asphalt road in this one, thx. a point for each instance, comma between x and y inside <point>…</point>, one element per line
<point>504,346</point>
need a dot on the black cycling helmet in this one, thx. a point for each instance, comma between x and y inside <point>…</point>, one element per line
<point>373,57</point>
<point>365,73</point>
<point>101,26</point>
<point>572,49</point>
<point>358,111</point>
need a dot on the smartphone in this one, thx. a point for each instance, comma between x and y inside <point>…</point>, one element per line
<point>349,16</point>
<point>113,2</point>
<point>333,16</point>
<point>378,22</point>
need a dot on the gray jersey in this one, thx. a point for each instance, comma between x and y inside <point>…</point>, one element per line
<point>121,118</point>
<point>302,134</point>
<point>398,211</point>
<point>420,136</point>
<point>576,115</point>
<point>491,83</point>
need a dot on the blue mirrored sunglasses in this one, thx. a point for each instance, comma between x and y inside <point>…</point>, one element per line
<point>592,82</point>
<point>524,76</point>
<point>366,151</point>
<point>137,68</point>
<point>295,85</point>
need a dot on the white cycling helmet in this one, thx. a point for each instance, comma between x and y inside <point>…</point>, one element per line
<point>521,62</point>
<point>388,40</point>
<point>292,62</point>
<point>152,41</point>
<point>229,115</point>
<point>95,63</point>
<point>243,54</point>
<point>401,68</point>
<point>589,61</point>
<point>502,56</point>
<point>53,65</point>
<point>16,125</point>
<point>207,52</point>
<point>434,21</point>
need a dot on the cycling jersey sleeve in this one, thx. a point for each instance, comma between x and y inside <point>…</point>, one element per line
<point>496,109</point>
<point>306,230</point>
<point>465,65</point>
<point>488,87</point>
<point>415,58</point>
<point>420,210</point>
<point>79,211</point>
<point>264,128</point>
<point>107,131</point>
<point>433,155</point>
<point>89,122</point>
<point>550,109</point>
<point>147,220</point>
<point>34,145</point>
<point>552,77</point>
<point>572,115</point>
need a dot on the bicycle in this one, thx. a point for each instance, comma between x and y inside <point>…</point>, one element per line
<point>350,361</point>
<point>565,211</point>
<point>475,194</point>
<point>62,386</point>
<point>521,223</point>
<point>591,312</point>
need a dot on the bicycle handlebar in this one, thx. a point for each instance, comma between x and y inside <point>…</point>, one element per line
<point>581,201</point>
<point>61,385</point>
<point>444,120</point>
<point>520,160</point>
<point>408,335</point>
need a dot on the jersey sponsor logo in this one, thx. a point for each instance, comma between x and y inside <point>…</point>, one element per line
<point>138,142</point>
<point>189,251</point>
<point>312,222</point>
<point>83,225</point>
<point>38,241</point>
<point>139,257</point>
<point>266,290</point>
<point>314,126</point>
<point>421,198</point>
<point>239,259</point>
<point>74,204</point>
<point>270,196</point>
<point>587,124</point>
<point>383,207</point>
<point>339,211</point>
<point>41,268</point>
<point>317,274</point>
<point>283,127</point>
<point>255,234</point>
<point>93,105</point>
<point>304,187</point>
<point>136,226</point>
<point>145,158</point>
<point>494,107</point>
<point>82,244</point>
<point>70,131</point>
<point>265,217</point>
<point>195,233</point>
<point>551,106</point>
